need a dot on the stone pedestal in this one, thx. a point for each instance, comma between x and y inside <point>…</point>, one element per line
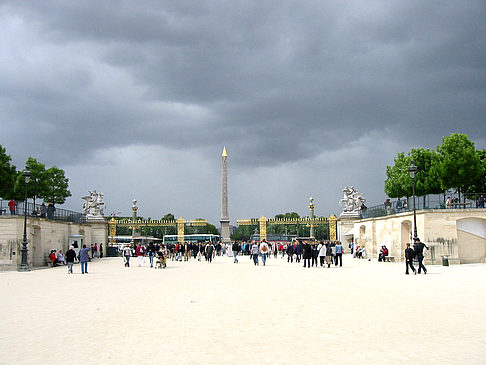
<point>99,233</point>
<point>346,225</point>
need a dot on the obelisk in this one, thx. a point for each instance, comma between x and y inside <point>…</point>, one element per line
<point>225,231</point>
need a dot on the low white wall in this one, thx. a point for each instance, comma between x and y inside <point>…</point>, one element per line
<point>43,235</point>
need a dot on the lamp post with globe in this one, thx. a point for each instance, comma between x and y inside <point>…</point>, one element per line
<point>24,265</point>
<point>412,170</point>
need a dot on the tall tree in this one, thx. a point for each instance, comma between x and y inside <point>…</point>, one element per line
<point>479,185</point>
<point>56,186</point>
<point>8,175</point>
<point>37,185</point>
<point>398,182</point>
<point>460,165</point>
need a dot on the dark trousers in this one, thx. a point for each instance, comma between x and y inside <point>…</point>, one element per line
<point>409,262</point>
<point>314,261</point>
<point>321,258</point>
<point>339,257</point>
<point>290,258</point>
<point>308,262</point>
<point>420,259</point>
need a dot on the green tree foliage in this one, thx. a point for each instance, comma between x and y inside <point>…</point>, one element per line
<point>8,175</point>
<point>398,182</point>
<point>37,185</point>
<point>427,181</point>
<point>460,164</point>
<point>479,185</point>
<point>56,186</point>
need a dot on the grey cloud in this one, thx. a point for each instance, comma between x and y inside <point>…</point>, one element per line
<point>279,82</point>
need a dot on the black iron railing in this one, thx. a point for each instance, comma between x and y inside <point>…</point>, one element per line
<point>38,210</point>
<point>433,201</point>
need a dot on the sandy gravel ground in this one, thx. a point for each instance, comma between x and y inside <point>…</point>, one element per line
<point>225,313</point>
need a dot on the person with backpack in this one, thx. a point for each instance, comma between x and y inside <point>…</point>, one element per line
<point>409,256</point>
<point>329,254</point>
<point>264,249</point>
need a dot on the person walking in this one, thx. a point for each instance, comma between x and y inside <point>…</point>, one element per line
<point>307,253</point>
<point>254,253</point>
<point>339,254</point>
<point>70,257</point>
<point>83,259</point>
<point>329,254</point>
<point>101,250</point>
<point>314,254</point>
<point>418,247</point>
<point>290,252</point>
<point>235,248</point>
<point>127,252</point>
<point>140,252</point>
<point>151,253</point>
<point>409,256</point>
<point>264,249</point>
<point>322,253</point>
<point>209,251</point>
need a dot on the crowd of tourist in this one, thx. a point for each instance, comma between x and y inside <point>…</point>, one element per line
<point>308,252</point>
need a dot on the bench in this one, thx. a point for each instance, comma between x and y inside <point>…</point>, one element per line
<point>389,259</point>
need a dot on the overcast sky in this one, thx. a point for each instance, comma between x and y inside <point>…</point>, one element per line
<point>138,98</point>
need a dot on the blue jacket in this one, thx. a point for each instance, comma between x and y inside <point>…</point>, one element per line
<point>84,255</point>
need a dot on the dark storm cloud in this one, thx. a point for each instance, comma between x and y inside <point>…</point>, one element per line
<point>279,81</point>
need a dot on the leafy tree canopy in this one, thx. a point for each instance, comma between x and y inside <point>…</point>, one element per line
<point>8,175</point>
<point>460,165</point>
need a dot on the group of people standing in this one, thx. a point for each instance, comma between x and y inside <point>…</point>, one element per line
<point>310,252</point>
<point>176,252</point>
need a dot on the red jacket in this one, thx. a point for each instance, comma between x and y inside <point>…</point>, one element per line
<point>140,250</point>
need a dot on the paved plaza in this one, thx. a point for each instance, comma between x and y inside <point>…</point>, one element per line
<point>223,313</point>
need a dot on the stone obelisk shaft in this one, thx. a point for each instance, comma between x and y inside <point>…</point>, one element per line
<point>225,231</point>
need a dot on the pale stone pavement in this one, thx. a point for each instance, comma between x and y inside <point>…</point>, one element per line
<point>221,313</point>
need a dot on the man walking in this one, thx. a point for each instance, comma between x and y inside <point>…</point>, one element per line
<point>409,256</point>
<point>70,257</point>
<point>127,252</point>
<point>83,259</point>
<point>419,251</point>
<point>254,253</point>
<point>209,251</point>
<point>264,249</point>
<point>339,254</point>
<point>290,253</point>
<point>235,248</point>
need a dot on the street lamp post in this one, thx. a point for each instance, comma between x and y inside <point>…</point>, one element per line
<point>412,170</point>
<point>24,265</point>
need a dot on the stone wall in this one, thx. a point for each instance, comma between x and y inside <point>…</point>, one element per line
<point>43,235</point>
<point>457,233</point>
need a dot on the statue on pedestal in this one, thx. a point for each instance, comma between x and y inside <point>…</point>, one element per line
<point>92,207</point>
<point>352,201</point>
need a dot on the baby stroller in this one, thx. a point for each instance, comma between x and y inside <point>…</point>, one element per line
<point>161,262</point>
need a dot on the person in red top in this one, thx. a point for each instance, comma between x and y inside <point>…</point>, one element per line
<point>13,206</point>
<point>140,252</point>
